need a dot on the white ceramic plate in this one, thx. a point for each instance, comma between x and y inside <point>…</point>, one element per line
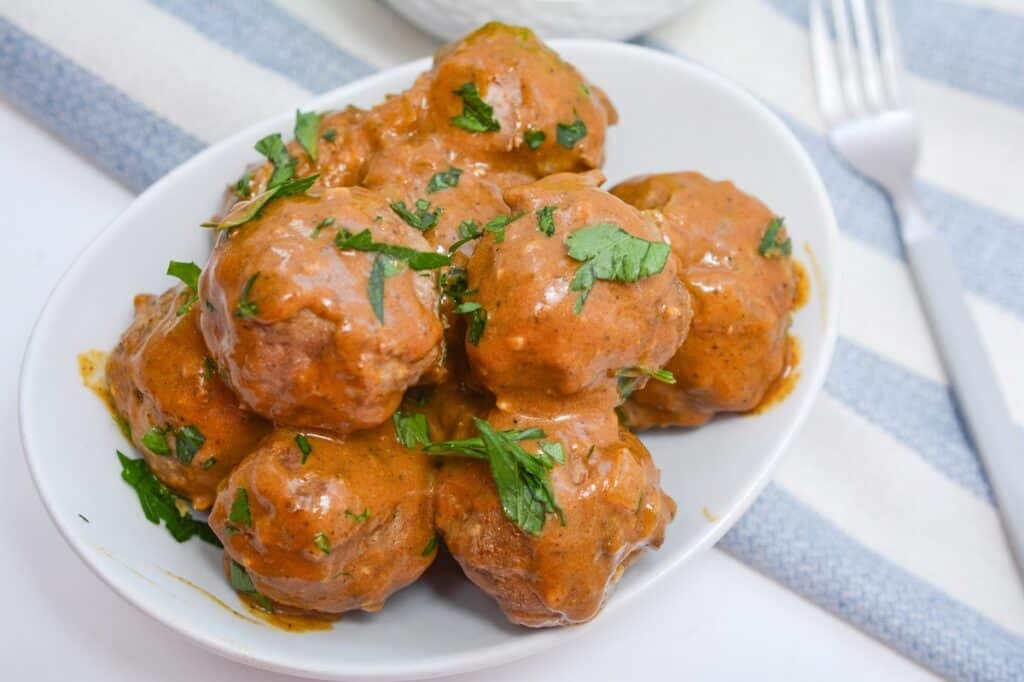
<point>674,116</point>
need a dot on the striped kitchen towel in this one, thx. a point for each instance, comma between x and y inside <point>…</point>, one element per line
<point>881,513</point>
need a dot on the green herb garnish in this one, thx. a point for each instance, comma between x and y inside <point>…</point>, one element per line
<point>322,543</point>
<point>468,231</point>
<point>423,219</point>
<point>477,319</point>
<point>155,441</point>
<point>534,138</point>
<point>477,115</point>
<point>610,253</point>
<point>359,518</point>
<point>209,463</point>
<point>160,504</point>
<point>307,127</point>
<point>210,369</point>
<point>244,211</point>
<point>243,188</point>
<point>630,377</point>
<point>242,583</point>
<point>411,428</point>
<point>455,285</point>
<point>273,147</point>
<point>584,90</point>
<point>568,134</point>
<point>417,260</point>
<point>330,134</point>
<point>775,243</point>
<point>246,306</point>
<point>187,441</point>
<point>188,273</point>
<point>546,220</point>
<point>497,224</point>
<point>240,514</point>
<point>431,545</point>
<point>384,266</point>
<point>304,447</point>
<point>326,222</point>
<point>444,180</point>
<point>522,479</point>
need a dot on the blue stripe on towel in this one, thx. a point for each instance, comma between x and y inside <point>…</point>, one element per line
<point>914,410</point>
<point>121,136</point>
<point>977,49</point>
<point>785,540</point>
<point>269,36</point>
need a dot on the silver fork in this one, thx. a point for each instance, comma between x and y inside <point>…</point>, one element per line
<point>871,127</point>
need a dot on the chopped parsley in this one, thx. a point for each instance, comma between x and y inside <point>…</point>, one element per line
<point>243,188</point>
<point>246,306</point>
<point>304,447</point>
<point>584,90</point>
<point>546,220</point>
<point>455,285</point>
<point>187,442</point>
<point>307,127</point>
<point>240,514</point>
<point>330,134</point>
<point>417,260</point>
<point>244,211</point>
<point>522,479</point>
<point>477,115</point>
<point>568,134</point>
<point>273,147</point>
<point>326,222</point>
<point>431,545</point>
<point>155,441</point>
<point>209,463</point>
<point>243,584</point>
<point>477,315</point>
<point>384,266</point>
<point>358,518</point>
<point>423,219</point>
<point>444,180</point>
<point>497,225</point>
<point>610,253</point>
<point>210,368</point>
<point>188,273</point>
<point>322,543</point>
<point>629,378</point>
<point>160,504</point>
<point>411,428</point>
<point>534,138</point>
<point>775,243</point>
<point>468,231</point>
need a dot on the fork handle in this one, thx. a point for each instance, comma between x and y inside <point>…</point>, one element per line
<point>995,435</point>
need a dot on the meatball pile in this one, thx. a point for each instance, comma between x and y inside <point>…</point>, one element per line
<point>418,329</point>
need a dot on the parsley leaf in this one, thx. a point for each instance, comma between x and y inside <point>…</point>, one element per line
<point>155,441</point>
<point>629,378</point>
<point>610,253</point>
<point>322,543</point>
<point>455,285</point>
<point>423,219</point>
<point>210,368</point>
<point>330,134</point>
<point>326,222</point>
<point>244,211</point>
<point>160,504</point>
<point>568,134</point>
<point>189,274</point>
<point>411,428</point>
<point>307,127</point>
<point>522,479</point>
<point>468,231</point>
<point>384,266</point>
<point>246,306</point>
<point>243,188</point>
<point>477,319</point>
<point>417,260</point>
<point>534,138</point>
<point>477,115</point>
<point>243,584</point>
<point>444,180</point>
<point>240,513</point>
<point>431,545</point>
<point>304,447</point>
<point>208,463</point>
<point>546,220</point>
<point>497,224</point>
<point>775,243</point>
<point>359,518</point>
<point>273,147</point>
<point>187,441</point>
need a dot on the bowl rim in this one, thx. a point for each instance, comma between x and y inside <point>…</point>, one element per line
<point>513,649</point>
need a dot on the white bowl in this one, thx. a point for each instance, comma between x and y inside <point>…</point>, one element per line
<point>674,116</point>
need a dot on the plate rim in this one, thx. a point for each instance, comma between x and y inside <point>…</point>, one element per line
<point>516,648</point>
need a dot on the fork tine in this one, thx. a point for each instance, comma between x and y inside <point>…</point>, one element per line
<point>870,74</point>
<point>847,67</point>
<point>826,77</point>
<point>889,49</point>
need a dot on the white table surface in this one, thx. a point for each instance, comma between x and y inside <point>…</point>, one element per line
<point>714,619</point>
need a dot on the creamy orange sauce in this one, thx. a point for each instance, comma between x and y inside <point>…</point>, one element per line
<point>289,622</point>
<point>785,382</point>
<point>92,368</point>
<point>802,294</point>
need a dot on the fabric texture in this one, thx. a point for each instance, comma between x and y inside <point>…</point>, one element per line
<point>881,512</point>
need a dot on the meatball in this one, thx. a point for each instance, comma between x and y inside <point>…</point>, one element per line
<point>343,146</point>
<point>505,98</point>
<point>608,490</point>
<point>329,524</point>
<point>543,334</point>
<point>316,335</point>
<point>426,171</point>
<point>742,300</point>
<point>187,423</point>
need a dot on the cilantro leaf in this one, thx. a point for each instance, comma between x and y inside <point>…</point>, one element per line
<point>244,211</point>
<point>411,428</point>
<point>188,273</point>
<point>534,138</point>
<point>240,514</point>
<point>423,219</point>
<point>384,266</point>
<point>610,253</point>
<point>775,243</point>
<point>273,147</point>
<point>307,127</point>
<point>546,220</point>
<point>243,584</point>
<point>160,504</point>
<point>246,306</point>
<point>417,260</point>
<point>568,134</point>
<point>522,479</point>
<point>455,285</point>
<point>243,188</point>
<point>477,115</point>
<point>477,319</point>
<point>155,441</point>
<point>629,378</point>
<point>359,518</point>
<point>444,180</point>
<point>187,442</point>
<point>497,224</point>
<point>468,231</point>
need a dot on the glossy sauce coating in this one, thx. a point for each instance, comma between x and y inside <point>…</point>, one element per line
<point>314,353</point>
<point>741,300</point>
<point>535,345</point>
<point>614,509</point>
<point>159,375</point>
<point>363,498</point>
